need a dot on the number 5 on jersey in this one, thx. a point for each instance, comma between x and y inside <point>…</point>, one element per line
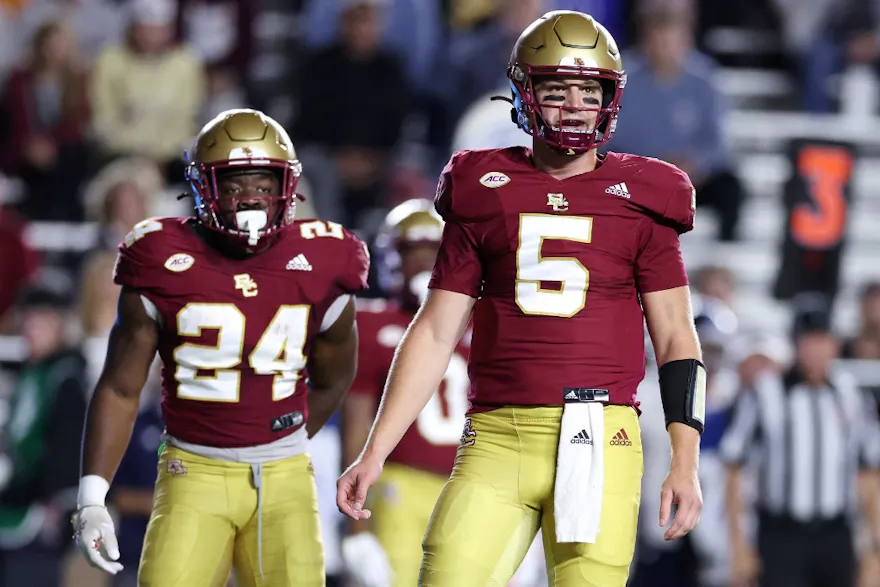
<point>278,353</point>
<point>532,267</point>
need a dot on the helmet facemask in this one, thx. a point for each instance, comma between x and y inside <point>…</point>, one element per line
<point>251,226</point>
<point>527,115</point>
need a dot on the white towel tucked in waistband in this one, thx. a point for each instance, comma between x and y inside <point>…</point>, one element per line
<point>580,472</point>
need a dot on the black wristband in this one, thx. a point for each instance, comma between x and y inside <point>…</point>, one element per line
<point>683,391</point>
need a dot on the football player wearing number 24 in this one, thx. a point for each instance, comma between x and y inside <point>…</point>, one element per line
<point>239,301</point>
<point>557,255</point>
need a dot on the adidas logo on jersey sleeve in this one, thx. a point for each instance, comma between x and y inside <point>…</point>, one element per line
<point>618,189</point>
<point>581,438</point>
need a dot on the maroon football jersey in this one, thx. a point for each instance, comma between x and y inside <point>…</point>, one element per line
<point>431,442</point>
<point>236,334</point>
<point>558,266</point>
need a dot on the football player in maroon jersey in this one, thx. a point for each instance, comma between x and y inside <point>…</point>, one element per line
<point>557,255</point>
<point>239,301</point>
<point>418,467</point>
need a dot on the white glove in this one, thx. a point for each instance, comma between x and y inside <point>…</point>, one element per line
<point>96,538</point>
<point>366,561</point>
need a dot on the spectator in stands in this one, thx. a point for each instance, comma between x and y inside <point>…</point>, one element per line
<point>843,40</point>
<point>45,105</point>
<point>412,29</point>
<point>478,58</point>
<point>866,343</point>
<point>814,439</point>
<point>98,297</point>
<point>8,42</point>
<point>20,262</point>
<point>466,14</point>
<point>674,110</point>
<point>715,281</point>
<point>355,126</point>
<point>42,437</point>
<point>147,93</point>
<point>221,33</point>
<point>93,23</point>
<point>122,194</point>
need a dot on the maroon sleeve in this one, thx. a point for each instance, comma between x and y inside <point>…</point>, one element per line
<point>458,267</point>
<point>139,264</point>
<point>354,277</point>
<point>682,203</point>
<point>659,264</point>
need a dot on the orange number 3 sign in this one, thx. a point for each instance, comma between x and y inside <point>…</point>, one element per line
<point>827,171</point>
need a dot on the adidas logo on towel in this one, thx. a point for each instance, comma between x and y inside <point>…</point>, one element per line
<point>581,438</point>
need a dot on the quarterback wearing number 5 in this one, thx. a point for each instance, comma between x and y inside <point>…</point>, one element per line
<point>239,301</point>
<point>558,254</point>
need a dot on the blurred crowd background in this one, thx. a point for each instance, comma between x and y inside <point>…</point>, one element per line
<point>771,106</point>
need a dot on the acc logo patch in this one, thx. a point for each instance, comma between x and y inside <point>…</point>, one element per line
<point>494,179</point>
<point>179,262</point>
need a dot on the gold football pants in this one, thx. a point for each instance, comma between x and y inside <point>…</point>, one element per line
<point>205,522</point>
<point>501,492</point>
<point>402,503</point>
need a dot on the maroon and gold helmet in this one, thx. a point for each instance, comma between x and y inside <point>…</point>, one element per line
<point>566,44</point>
<point>240,141</point>
<point>410,223</point>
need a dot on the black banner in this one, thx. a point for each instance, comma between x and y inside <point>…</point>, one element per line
<point>817,202</point>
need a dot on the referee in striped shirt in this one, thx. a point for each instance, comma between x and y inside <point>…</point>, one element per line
<point>816,444</point>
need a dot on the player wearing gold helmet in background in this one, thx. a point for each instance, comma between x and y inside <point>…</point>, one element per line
<point>404,255</point>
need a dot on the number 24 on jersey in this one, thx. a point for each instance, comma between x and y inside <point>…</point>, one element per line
<point>279,352</point>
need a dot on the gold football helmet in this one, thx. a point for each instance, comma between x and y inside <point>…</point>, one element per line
<point>414,222</point>
<point>241,141</point>
<point>566,44</point>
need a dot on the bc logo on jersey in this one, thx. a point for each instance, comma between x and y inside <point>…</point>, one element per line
<point>247,285</point>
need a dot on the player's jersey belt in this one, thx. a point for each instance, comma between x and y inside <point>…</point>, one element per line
<point>289,446</point>
<point>478,408</point>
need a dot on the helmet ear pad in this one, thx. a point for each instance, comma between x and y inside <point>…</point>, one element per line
<point>519,113</point>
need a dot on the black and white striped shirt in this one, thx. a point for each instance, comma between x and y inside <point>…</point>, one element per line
<point>810,444</point>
